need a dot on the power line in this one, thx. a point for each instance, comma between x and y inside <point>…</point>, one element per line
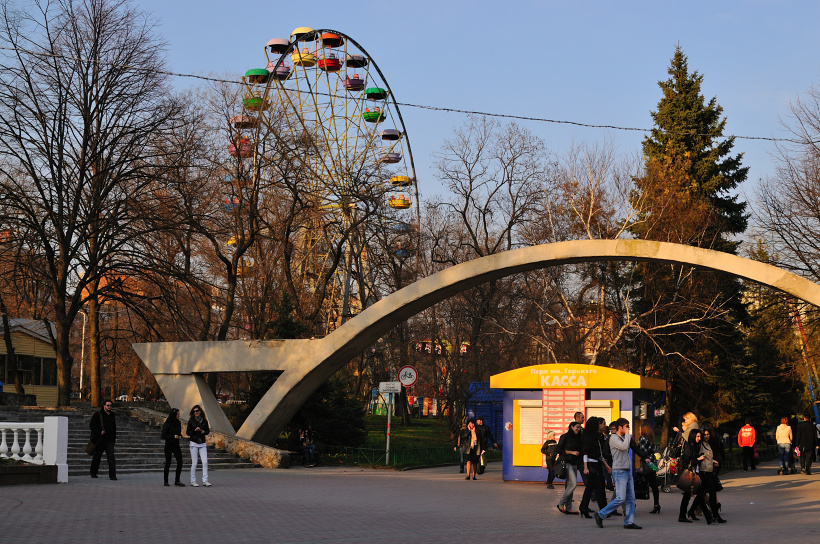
<point>417,106</point>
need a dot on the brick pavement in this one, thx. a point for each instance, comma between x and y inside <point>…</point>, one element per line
<point>366,505</point>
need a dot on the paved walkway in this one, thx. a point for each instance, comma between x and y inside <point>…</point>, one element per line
<point>366,505</point>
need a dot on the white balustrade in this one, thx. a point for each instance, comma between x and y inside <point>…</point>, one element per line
<point>51,445</point>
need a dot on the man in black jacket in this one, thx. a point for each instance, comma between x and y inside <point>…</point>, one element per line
<point>485,436</point>
<point>104,434</point>
<point>806,439</point>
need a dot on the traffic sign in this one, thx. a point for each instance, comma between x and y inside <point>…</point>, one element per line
<point>408,375</point>
<point>389,387</point>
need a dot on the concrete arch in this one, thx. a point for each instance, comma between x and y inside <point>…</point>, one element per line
<point>306,364</point>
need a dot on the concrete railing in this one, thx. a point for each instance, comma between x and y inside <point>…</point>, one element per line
<point>260,454</point>
<point>47,440</point>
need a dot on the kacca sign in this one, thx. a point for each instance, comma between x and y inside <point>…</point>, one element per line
<point>573,377</point>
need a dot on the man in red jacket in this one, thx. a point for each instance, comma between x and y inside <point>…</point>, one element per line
<point>746,440</point>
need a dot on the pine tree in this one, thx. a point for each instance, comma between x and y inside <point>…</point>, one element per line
<point>685,196</point>
<point>686,148</point>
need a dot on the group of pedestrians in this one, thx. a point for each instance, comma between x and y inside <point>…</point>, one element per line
<point>472,441</point>
<point>103,427</point>
<point>800,442</point>
<point>593,453</point>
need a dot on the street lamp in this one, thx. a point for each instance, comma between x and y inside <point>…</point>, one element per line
<point>82,354</point>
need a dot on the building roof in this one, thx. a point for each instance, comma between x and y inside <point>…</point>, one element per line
<point>32,327</point>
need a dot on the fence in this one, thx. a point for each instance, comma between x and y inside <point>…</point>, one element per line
<point>399,458</point>
<point>47,440</point>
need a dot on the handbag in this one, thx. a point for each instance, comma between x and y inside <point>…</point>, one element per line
<point>641,487</point>
<point>718,485</point>
<point>689,482</point>
<point>560,468</point>
<point>91,447</point>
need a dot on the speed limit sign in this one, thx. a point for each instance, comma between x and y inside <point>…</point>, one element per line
<point>408,375</point>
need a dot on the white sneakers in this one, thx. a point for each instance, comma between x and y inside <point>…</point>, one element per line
<point>194,484</point>
<point>206,484</point>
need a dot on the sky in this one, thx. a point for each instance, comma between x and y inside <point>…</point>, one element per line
<point>589,62</point>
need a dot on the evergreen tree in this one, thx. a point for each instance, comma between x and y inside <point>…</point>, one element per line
<point>685,196</point>
<point>686,147</point>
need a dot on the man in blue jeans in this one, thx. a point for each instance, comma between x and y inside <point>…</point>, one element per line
<point>619,443</point>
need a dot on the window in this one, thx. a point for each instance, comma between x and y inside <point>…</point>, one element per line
<point>49,372</point>
<point>25,366</point>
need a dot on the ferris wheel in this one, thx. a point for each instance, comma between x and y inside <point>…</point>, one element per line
<point>325,102</point>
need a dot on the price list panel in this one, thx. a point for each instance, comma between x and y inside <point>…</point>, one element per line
<point>558,407</point>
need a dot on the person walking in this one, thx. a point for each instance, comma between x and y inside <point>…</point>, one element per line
<point>197,430</point>
<point>171,433</point>
<point>594,466</point>
<point>690,423</point>
<point>746,440</point>
<point>308,448</point>
<point>103,427</point>
<point>620,443</point>
<point>485,438</point>
<point>471,449</point>
<point>646,451</point>
<point>784,438</point>
<point>806,440</point>
<point>702,457</point>
<point>569,447</point>
<point>457,447</point>
<point>550,450</point>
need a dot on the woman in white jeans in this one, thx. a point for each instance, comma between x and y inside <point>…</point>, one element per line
<point>197,429</point>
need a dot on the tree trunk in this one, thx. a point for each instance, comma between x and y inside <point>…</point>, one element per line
<point>94,367</point>
<point>11,357</point>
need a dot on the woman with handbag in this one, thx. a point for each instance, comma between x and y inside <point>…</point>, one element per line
<point>646,451</point>
<point>197,430</point>
<point>471,447</point>
<point>698,454</point>
<point>712,438</point>
<point>594,466</point>
<point>569,447</point>
<point>688,481</point>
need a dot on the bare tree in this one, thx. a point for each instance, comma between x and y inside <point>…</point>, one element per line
<point>82,100</point>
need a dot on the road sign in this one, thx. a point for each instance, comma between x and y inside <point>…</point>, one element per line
<point>408,375</point>
<point>389,387</point>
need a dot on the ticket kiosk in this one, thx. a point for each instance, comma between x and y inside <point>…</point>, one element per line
<point>543,398</point>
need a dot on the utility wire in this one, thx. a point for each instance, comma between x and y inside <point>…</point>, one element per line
<point>417,106</point>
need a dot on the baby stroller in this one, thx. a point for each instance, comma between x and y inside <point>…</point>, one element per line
<point>668,467</point>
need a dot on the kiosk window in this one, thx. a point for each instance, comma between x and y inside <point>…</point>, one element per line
<point>530,425</point>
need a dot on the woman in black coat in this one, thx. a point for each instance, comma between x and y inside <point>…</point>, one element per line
<point>594,466</point>
<point>569,447</point>
<point>171,431</point>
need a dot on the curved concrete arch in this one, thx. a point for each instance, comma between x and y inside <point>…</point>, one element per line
<point>307,364</point>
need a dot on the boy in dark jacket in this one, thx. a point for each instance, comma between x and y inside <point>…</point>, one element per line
<point>550,450</point>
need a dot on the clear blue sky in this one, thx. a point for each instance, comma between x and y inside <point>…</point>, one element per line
<point>591,62</point>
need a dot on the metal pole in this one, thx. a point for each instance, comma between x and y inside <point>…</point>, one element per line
<point>82,357</point>
<point>389,418</point>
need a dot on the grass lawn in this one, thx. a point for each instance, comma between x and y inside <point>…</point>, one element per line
<point>421,433</point>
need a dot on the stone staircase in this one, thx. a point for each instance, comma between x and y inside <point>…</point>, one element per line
<point>139,447</point>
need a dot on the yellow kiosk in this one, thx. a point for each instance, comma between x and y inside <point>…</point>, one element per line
<point>543,398</point>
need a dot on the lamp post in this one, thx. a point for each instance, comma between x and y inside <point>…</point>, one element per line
<point>82,354</point>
